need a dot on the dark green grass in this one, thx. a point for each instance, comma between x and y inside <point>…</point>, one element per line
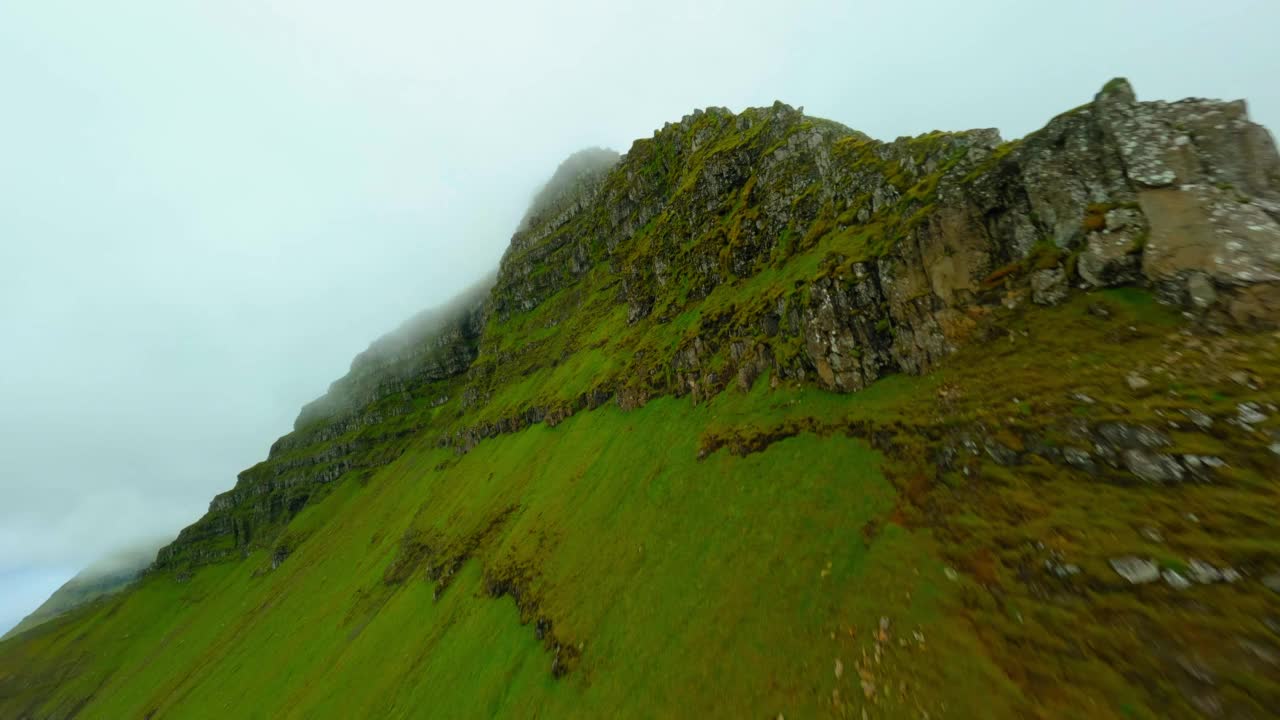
<point>676,576</point>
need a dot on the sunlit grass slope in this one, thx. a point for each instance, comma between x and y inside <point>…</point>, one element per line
<point>690,585</point>
<point>782,551</point>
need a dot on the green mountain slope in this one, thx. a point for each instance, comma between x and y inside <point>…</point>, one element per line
<point>767,418</point>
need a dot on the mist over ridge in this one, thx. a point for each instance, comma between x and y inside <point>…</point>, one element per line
<point>207,211</point>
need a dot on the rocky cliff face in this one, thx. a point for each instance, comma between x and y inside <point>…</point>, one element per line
<point>731,244</point>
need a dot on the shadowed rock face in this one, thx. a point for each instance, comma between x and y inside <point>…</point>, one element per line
<point>880,257</point>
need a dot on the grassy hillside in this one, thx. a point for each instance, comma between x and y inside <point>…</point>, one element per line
<point>917,548</point>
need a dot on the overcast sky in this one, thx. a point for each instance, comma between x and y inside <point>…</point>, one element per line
<point>207,208</point>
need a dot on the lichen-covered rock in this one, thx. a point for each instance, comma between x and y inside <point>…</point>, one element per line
<point>1126,436</point>
<point>1202,229</point>
<point>1153,467</point>
<point>1136,570</point>
<point>1201,293</point>
<point>1109,257</point>
<point>1207,181</point>
<point>1203,573</point>
<point>1049,287</point>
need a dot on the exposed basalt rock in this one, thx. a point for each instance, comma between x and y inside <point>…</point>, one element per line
<point>1124,436</point>
<point>849,346</point>
<point>1136,570</point>
<point>810,251</point>
<point>1152,467</point>
<point>1049,287</point>
<point>1118,452</point>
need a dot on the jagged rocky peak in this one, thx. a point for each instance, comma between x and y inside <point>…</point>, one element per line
<point>569,187</point>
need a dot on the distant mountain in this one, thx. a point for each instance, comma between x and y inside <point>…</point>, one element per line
<point>105,577</point>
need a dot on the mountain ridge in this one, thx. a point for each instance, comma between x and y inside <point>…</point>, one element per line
<point>769,417</point>
<point>1076,207</point>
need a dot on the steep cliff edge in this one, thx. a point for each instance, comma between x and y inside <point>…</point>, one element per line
<point>766,417</point>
